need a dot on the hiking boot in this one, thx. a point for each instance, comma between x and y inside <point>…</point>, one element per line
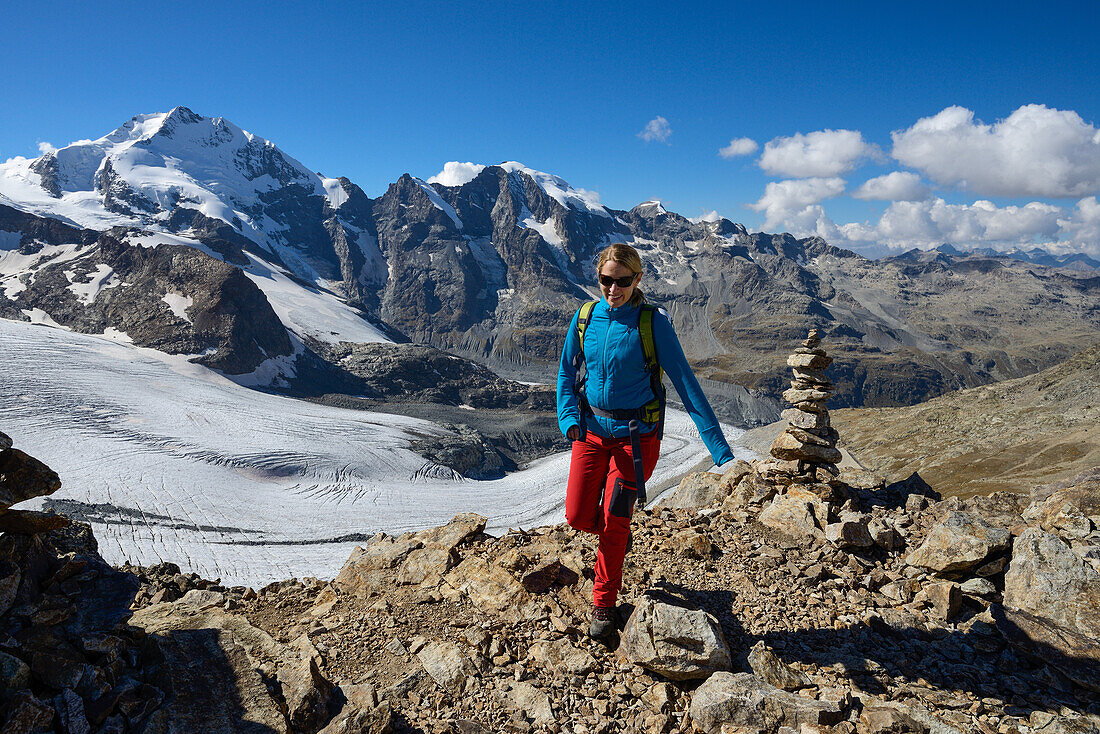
<point>603,622</point>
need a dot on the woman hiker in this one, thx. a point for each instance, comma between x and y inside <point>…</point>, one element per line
<point>611,405</point>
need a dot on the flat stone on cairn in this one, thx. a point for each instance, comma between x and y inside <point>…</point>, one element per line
<point>809,438</point>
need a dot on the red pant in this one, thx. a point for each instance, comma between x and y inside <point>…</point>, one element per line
<point>600,498</point>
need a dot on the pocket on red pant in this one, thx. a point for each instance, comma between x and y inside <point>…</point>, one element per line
<point>623,495</point>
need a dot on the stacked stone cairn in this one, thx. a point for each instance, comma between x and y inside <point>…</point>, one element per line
<point>807,446</point>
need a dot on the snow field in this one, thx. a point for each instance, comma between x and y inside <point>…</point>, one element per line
<point>241,485</point>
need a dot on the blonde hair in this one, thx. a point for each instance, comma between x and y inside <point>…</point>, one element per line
<point>629,258</point>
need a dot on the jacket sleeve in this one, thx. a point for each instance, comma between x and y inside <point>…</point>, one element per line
<point>569,414</point>
<point>672,360</point>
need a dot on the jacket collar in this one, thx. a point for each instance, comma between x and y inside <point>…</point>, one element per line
<point>626,312</point>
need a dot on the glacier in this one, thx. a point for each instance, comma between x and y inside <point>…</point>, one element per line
<point>171,461</point>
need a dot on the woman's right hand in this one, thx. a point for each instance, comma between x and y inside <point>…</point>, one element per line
<point>574,433</point>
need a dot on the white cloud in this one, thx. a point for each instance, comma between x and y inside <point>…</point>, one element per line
<point>790,205</point>
<point>44,147</point>
<point>739,146</point>
<point>925,224</point>
<point>818,154</point>
<point>1081,229</point>
<point>656,129</point>
<point>457,174</point>
<point>1036,151</point>
<point>896,186</point>
<point>711,216</point>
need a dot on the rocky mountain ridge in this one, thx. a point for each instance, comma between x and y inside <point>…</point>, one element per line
<point>493,267</point>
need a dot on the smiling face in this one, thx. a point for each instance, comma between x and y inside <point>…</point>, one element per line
<point>615,294</point>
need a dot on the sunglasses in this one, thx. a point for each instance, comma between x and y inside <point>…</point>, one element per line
<point>624,282</point>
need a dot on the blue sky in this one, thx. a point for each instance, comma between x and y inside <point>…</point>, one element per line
<point>1007,93</point>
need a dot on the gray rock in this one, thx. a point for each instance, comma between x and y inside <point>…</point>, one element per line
<point>28,714</point>
<point>562,657</point>
<point>14,673</point>
<point>1074,654</point>
<point>307,694</point>
<point>424,564</point>
<point>888,720</point>
<point>946,599</point>
<point>678,643</point>
<point>23,477</point>
<point>789,448</point>
<point>1070,512</point>
<point>959,543</point>
<point>446,537</point>
<point>797,513</point>
<point>369,569</point>
<point>742,699</point>
<point>379,719</point>
<point>448,665</point>
<point>850,532</point>
<point>773,671</point>
<point>699,489</point>
<point>806,421</point>
<point>491,589</point>
<point>885,536</point>
<point>1047,579</point>
<point>981,588</point>
<point>524,696</point>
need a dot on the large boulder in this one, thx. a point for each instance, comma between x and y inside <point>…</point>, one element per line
<point>702,489</point>
<point>797,513</point>
<point>1070,512</point>
<point>1047,579</point>
<point>742,699</point>
<point>678,643</point>
<point>213,660</point>
<point>491,589</point>
<point>959,543</point>
<point>371,568</point>
<point>1076,655</point>
<point>23,477</point>
<point>448,665</point>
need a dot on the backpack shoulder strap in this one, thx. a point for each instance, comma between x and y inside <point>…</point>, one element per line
<point>584,315</point>
<point>645,331</point>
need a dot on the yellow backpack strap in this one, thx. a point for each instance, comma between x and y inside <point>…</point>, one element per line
<point>645,331</point>
<point>654,410</point>
<point>583,317</point>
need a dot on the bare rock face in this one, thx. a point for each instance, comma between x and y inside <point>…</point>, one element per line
<point>23,477</point>
<point>742,699</point>
<point>797,513</point>
<point>448,665</point>
<point>959,543</point>
<point>678,643</point>
<point>1047,579</point>
<point>172,298</point>
<point>769,668</point>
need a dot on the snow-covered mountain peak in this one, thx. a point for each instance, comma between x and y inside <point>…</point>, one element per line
<point>651,208</point>
<point>154,164</point>
<point>559,189</point>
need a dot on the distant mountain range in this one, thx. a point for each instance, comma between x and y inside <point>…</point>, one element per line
<point>1036,255</point>
<point>187,234</point>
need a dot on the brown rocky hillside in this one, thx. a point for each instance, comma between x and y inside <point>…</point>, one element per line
<point>1007,436</point>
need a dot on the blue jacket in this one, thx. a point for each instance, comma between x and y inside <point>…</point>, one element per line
<point>617,378</point>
